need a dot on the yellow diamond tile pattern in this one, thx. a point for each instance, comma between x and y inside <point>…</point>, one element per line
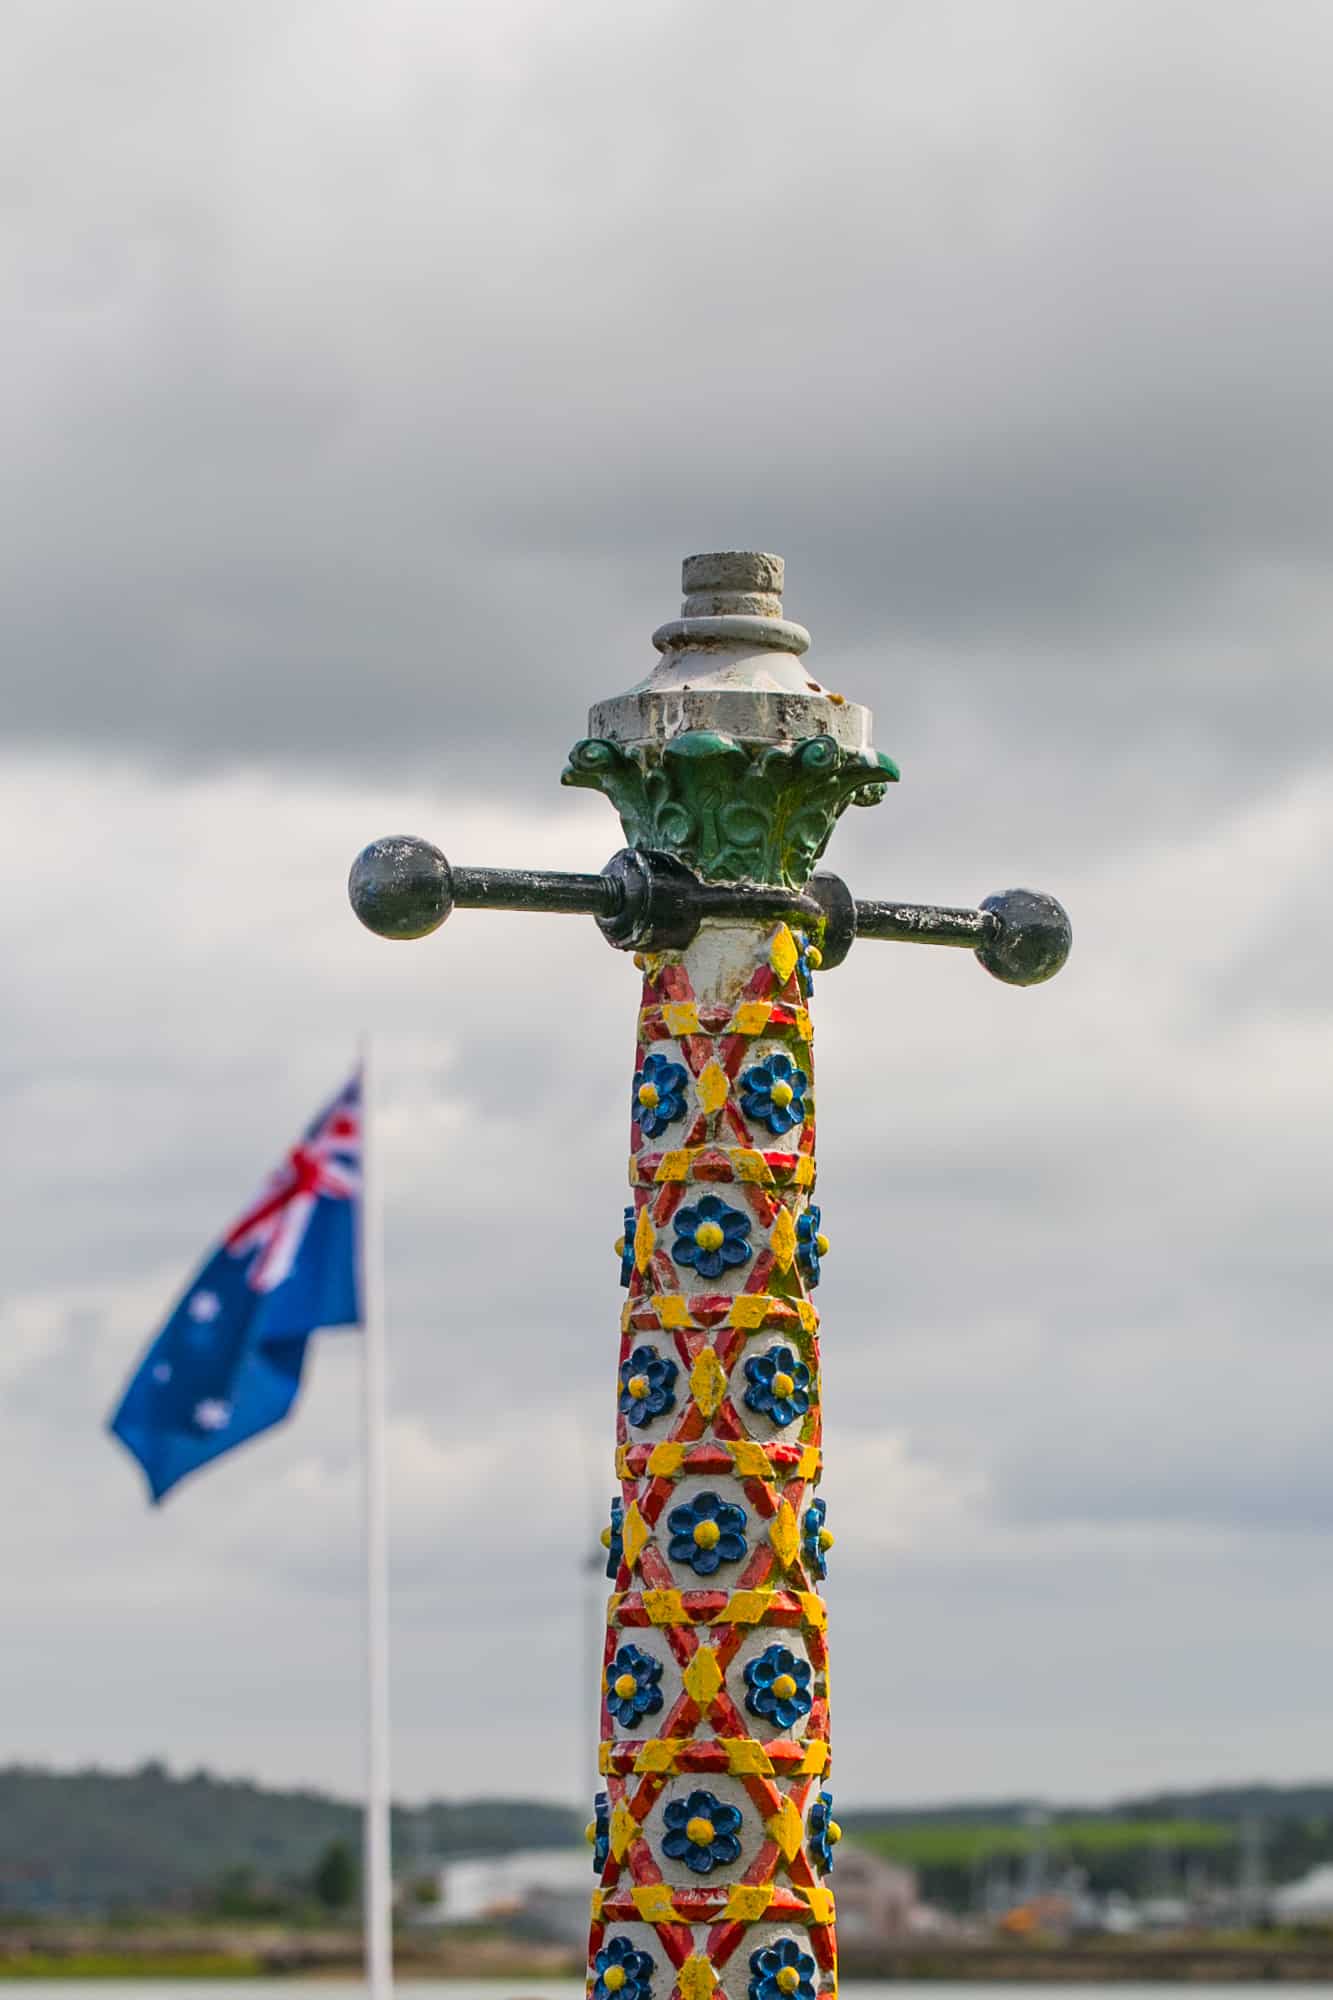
<point>821,1904</point>
<point>782,1532</point>
<point>702,1678</point>
<point>746,1607</point>
<point>781,1241</point>
<point>748,1902</point>
<point>659,1754</point>
<point>748,1759</point>
<point>708,1381</point>
<point>696,1978</point>
<point>645,1236</point>
<point>624,1831</point>
<point>681,1017</point>
<point>751,1017</point>
<point>635,1534</point>
<point>782,954</point>
<point>653,1902</point>
<point>786,1829</point>
<point>713,1087</point>
<point>665,1607</point>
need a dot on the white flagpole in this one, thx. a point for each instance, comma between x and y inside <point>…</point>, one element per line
<point>377,1886</point>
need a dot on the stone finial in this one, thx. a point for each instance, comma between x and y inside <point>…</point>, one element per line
<point>733,599</point>
<point>730,755</point>
<point>732,583</point>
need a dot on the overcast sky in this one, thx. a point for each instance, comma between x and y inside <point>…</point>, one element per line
<point>368,371</point>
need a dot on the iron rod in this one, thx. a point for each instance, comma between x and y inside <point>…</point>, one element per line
<point>924,923</point>
<point>598,896</point>
<point>533,889</point>
<point>722,899</point>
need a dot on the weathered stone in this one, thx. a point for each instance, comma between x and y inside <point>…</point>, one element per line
<point>730,756</point>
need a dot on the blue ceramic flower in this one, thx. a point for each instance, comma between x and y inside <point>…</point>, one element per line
<point>711,1236</point>
<point>816,1540</point>
<point>778,1685</point>
<point>707,1531</point>
<point>773,1093</point>
<point>613,1538</point>
<point>599,1832</point>
<point>702,1832</point>
<point>631,1686</point>
<point>808,961</point>
<point>782,1971</point>
<point>778,1385</point>
<point>823,1832</point>
<point>811,1244</point>
<point>626,1247</point>
<point>647,1386</point>
<point>659,1094</point>
<point>622,1972</point>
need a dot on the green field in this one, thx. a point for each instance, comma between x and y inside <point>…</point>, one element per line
<point>947,1846</point>
<point>1138,1856</point>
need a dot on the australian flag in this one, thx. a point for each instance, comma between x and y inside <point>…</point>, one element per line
<point>227,1364</point>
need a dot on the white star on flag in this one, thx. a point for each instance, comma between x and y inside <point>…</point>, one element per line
<point>203,1307</point>
<point>212,1415</point>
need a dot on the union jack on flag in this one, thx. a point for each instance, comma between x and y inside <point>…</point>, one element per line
<point>228,1362</point>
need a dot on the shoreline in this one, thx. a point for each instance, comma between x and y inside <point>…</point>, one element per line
<point>232,1955</point>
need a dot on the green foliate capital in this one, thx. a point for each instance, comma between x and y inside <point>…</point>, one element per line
<point>730,755</point>
<point>729,810</point>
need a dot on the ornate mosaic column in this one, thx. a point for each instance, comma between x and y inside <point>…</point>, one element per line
<point>729,765</point>
<point>714,1836</point>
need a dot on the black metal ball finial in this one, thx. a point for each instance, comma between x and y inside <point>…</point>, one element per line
<point>401,887</point>
<point>1033,938</point>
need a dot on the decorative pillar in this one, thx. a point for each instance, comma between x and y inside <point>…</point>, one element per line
<point>714,1835</point>
<point>729,766</point>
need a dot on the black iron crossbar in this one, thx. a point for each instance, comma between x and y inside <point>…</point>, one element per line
<point>401,887</point>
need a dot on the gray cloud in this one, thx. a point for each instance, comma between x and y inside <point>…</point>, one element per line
<point>372,377</point>
<point>353,388</point>
<point>1077,1280</point>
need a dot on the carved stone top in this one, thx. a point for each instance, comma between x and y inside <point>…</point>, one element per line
<point>731,661</point>
<point>730,755</point>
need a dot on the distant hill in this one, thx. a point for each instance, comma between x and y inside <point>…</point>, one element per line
<point>1143,1846</point>
<point>98,1840</point>
<point>1227,1804</point>
<point>1231,1804</point>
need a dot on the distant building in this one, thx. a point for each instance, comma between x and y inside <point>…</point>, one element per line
<point>1164,1913</point>
<point>542,1892</point>
<point>876,1899</point>
<point>546,1893</point>
<point>1308,1901</point>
